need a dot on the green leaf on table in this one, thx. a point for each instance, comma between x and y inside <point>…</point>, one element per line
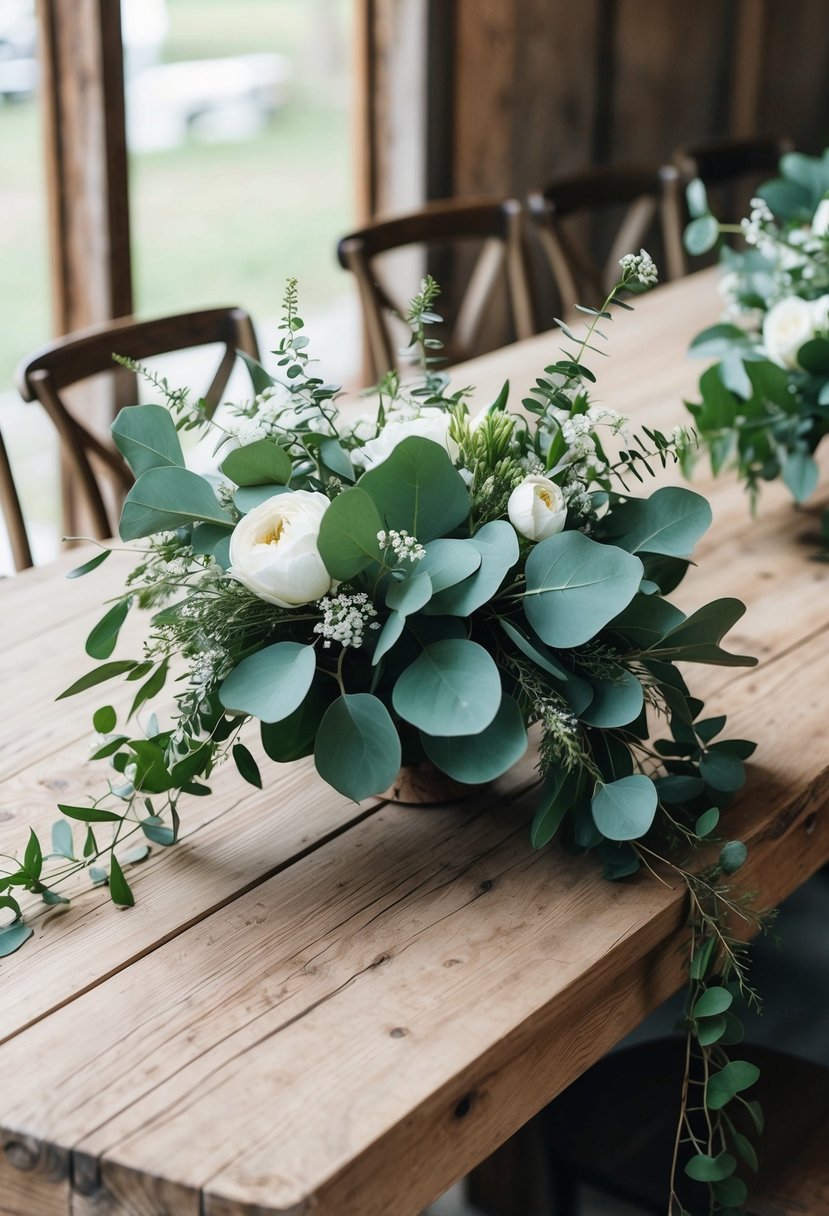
<point>119,888</point>
<point>697,639</point>
<point>33,856</point>
<point>703,1168</point>
<point>102,638</point>
<point>248,498</point>
<point>147,438</point>
<point>261,463</point>
<point>108,671</point>
<point>271,683</point>
<point>13,936</point>
<point>722,772</point>
<point>474,759</point>
<point>89,814</point>
<point>347,540</point>
<point>448,562</point>
<point>711,1002</point>
<point>164,499</point>
<point>701,235</point>
<point>104,719</point>
<point>497,544</point>
<point>452,689</point>
<point>706,823</point>
<point>646,620</point>
<point>92,564</point>
<point>417,489</point>
<point>800,474</point>
<point>62,843</point>
<point>669,522</point>
<point>625,809</point>
<point>357,749</point>
<point>575,586</point>
<point>732,1079</point>
<point>247,766</point>
<point>156,830</point>
<point>732,856</point>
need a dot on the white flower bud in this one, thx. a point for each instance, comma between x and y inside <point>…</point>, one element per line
<point>536,508</point>
<point>788,325</point>
<point>273,550</point>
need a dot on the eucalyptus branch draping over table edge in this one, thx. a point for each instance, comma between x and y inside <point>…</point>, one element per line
<point>764,404</point>
<point>421,584</point>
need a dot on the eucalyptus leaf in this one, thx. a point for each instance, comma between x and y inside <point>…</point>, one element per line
<point>448,562</point>
<point>164,499</point>
<point>452,689</point>
<point>669,522</point>
<point>102,638</point>
<point>800,474</point>
<point>625,809</point>
<point>146,437</point>
<point>271,683</point>
<point>617,699</point>
<point>389,634</point>
<point>417,489</point>
<point>248,498</point>
<point>575,586</point>
<point>293,737</point>
<point>357,749</point>
<point>497,544</point>
<point>347,540</point>
<point>261,463</point>
<point>475,759</point>
<point>119,889</point>
<point>409,594</point>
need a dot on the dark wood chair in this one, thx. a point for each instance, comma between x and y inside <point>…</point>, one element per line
<point>731,170</point>
<point>10,504</point>
<point>92,462</point>
<point>647,196</point>
<point>496,224</point>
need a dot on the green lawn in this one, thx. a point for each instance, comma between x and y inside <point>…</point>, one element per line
<point>211,223</point>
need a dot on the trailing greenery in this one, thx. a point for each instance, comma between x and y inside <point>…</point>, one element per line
<point>421,584</point>
<point>764,404</point>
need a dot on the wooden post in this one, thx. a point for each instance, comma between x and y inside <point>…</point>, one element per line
<point>82,86</point>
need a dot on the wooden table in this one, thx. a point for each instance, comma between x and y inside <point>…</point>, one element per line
<point>319,1007</point>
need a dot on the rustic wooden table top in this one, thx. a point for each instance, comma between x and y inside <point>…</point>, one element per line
<point>317,1006</point>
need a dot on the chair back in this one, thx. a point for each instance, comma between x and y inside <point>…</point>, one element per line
<point>46,374</point>
<point>732,169</point>
<point>649,199</point>
<point>496,224</point>
<point>13,515</point>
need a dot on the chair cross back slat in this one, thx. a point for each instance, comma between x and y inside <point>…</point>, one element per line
<point>498,223</point>
<point>79,356</point>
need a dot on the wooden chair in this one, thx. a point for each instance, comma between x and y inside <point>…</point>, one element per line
<point>496,223</point>
<point>614,1130</point>
<point>650,197</point>
<point>10,504</point>
<point>726,161</point>
<point>47,373</point>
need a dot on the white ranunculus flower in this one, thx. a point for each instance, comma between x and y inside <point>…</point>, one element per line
<point>788,325</point>
<point>430,424</point>
<point>536,508</point>
<point>273,550</point>
<point>820,220</point>
<point>820,312</point>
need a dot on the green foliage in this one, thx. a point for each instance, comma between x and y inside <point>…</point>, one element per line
<point>625,809</point>
<point>347,539</point>
<point>263,463</point>
<point>167,498</point>
<point>357,748</point>
<point>270,684</point>
<point>475,759</point>
<point>418,490</point>
<point>146,437</point>
<point>452,689</point>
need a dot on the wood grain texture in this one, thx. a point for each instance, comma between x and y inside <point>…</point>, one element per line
<point>342,1010</point>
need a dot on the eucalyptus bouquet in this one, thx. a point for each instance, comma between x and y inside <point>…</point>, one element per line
<point>420,583</point>
<point>765,401</point>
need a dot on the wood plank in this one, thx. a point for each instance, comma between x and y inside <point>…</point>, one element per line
<point>291,993</point>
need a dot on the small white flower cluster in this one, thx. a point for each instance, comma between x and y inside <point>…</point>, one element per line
<point>209,666</point>
<point>759,218</point>
<point>345,618</point>
<point>403,546</point>
<point>641,266</point>
<point>274,414</point>
<point>532,463</point>
<point>603,415</point>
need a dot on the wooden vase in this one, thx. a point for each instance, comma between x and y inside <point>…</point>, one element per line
<point>424,785</point>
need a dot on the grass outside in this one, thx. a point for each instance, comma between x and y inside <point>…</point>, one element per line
<point>212,223</point>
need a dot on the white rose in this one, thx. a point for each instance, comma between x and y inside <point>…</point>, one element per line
<point>820,220</point>
<point>820,312</point>
<point>430,424</point>
<point>536,508</point>
<point>273,550</point>
<point>788,325</point>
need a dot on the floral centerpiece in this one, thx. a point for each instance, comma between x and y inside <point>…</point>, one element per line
<point>423,584</point>
<point>765,401</point>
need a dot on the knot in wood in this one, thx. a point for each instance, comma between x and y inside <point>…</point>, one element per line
<point>21,1156</point>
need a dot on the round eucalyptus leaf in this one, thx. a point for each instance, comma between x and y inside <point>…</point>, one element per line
<point>272,683</point>
<point>701,235</point>
<point>497,544</point>
<point>293,737</point>
<point>575,586</point>
<point>261,463</point>
<point>617,700</point>
<point>147,438</point>
<point>448,562</point>
<point>452,689</point>
<point>392,629</point>
<point>410,594</point>
<point>625,809</point>
<point>247,498</point>
<point>167,498</point>
<point>712,1001</point>
<point>722,772</point>
<point>732,856</point>
<point>703,1168</point>
<point>669,522</point>
<point>710,1030</point>
<point>474,759</point>
<point>357,750</point>
<point>347,540</point>
<point>418,489</point>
